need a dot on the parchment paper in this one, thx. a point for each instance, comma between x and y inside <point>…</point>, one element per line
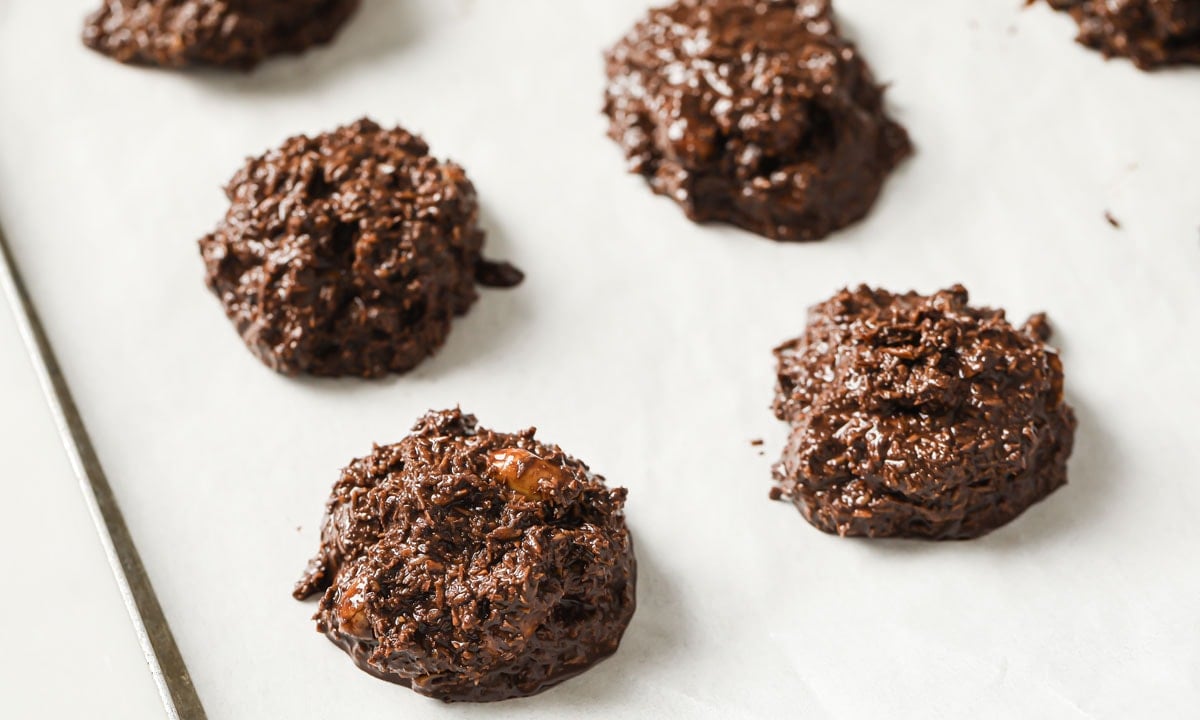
<point>641,343</point>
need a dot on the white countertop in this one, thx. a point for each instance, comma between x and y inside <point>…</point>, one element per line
<point>64,616</point>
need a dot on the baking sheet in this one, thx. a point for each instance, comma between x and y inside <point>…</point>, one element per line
<point>641,344</point>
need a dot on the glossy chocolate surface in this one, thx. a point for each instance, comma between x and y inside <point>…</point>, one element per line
<point>1151,33</point>
<point>473,565</point>
<point>753,112</point>
<point>221,33</point>
<point>919,416</point>
<point>348,253</point>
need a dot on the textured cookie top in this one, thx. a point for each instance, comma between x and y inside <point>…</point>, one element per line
<point>1152,33</point>
<point>762,94</point>
<point>471,564</point>
<point>347,253</point>
<point>921,399</point>
<point>751,70</point>
<point>226,33</point>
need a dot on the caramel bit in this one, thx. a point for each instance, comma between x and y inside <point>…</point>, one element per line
<point>521,470</point>
<point>352,613</point>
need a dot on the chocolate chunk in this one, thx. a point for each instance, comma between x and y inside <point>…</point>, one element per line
<point>346,254</point>
<point>498,274</point>
<point>1151,33</point>
<point>753,112</point>
<point>916,416</point>
<point>473,565</point>
<point>224,33</point>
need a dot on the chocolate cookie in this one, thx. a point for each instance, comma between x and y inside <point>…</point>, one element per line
<point>753,112</point>
<point>348,253</point>
<point>473,565</point>
<point>1151,33</point>
<point>225,33</point>
<point>916,416</point>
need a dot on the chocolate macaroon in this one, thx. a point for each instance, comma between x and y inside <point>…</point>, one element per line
<point>221,33</point>
<point>348,253</point>
<point>753,112</point>
<point>473,565</point>
<point>1151,33</point>
<point>919,416</point>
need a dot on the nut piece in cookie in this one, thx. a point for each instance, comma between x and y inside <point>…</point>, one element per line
<point>473,565</point>
<point>348,253</point>
<point>1151,33</point>
<point>919,416</point>
<point>753,112</point>
<point>221,33</point>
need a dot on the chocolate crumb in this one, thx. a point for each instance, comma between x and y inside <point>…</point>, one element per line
<point>1112,220</point>
<point>775,493</point>
<point>756,443</point>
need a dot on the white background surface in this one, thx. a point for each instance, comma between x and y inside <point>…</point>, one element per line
<point>69,650</point>
<point>641,343</point>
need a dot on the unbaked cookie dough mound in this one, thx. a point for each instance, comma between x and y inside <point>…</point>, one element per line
<point>1151,33</point>
<point>753,112</point>
<point>473,565</point>
<point>919,416</point>
<point>348,253</point>
<point>224,33</point>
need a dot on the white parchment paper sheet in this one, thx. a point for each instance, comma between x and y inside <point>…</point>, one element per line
<point>641,343</point>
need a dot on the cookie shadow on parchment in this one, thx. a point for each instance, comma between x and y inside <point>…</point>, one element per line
<point>379,28</point>
<point>493,323</point>
<point>1093,473</point>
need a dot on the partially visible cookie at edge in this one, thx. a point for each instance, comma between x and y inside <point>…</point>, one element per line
<point>919,416</point>
<point>1151,33</point>
<point>349,253</point>
<point>473,565</point>
<point>237,34</point>
<point>756,113</point>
